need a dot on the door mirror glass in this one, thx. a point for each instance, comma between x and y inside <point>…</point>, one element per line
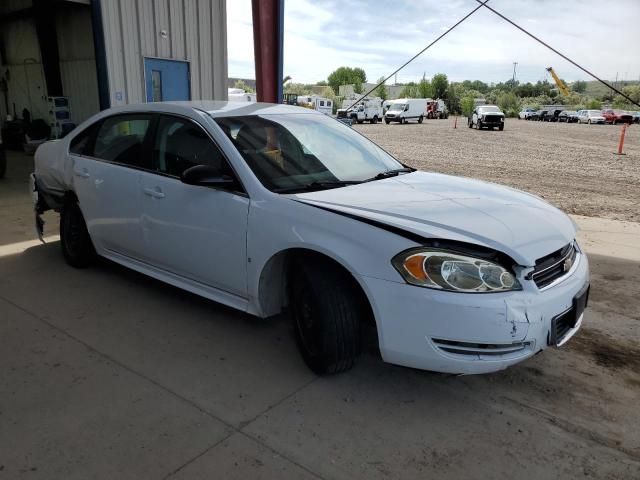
<point>207,176</point>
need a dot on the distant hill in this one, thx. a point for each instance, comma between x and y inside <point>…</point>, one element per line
<point>596,89</point>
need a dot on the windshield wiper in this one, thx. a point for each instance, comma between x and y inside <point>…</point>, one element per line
<point>391,173</point>
<point>316,186</point>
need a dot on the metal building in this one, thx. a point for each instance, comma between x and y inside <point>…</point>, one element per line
<point>102,53</point>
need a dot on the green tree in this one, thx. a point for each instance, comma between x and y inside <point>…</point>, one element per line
<point>347,76</point>
<point>508,103</point>
<point>424,89</point>
<point>241,84</point>
<point>594,104</point>
<point>466,105</point>
<point>297,88</point>
<point>410,90</point>
<point>439,84</point>
<point>579,86</point>
<point>381,91</point>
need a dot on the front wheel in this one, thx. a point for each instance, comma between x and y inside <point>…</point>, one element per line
<point>470,122</point>
<point>387,121</point>
<point>479,125</point>
<point>77,247</point>
<point>501,127</point>
<point>327,312</point>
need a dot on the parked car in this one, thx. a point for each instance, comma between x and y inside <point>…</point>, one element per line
<point>541,115</point>
<point>590,116</point>
<point>278,207</point>
<point>617,116</point>
<point>527,114</point>
<point>568,116</point>
<point>404,109</point>
<point>636,117</point>
<point>488,116</point>
<point>552,115</point>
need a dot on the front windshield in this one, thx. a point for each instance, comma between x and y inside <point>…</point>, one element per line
<point>397,106</point>
<point>488,109</point>
<point>594,112</point>
<point>287,151</point>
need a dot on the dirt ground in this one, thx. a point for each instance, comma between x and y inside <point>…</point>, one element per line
<point>105,373</point>
<point>572,166</point>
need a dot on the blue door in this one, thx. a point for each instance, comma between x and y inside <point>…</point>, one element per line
<point>166,80</point>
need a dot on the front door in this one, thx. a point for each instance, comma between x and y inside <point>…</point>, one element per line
<point>196,232</point>
<point>166,80</point>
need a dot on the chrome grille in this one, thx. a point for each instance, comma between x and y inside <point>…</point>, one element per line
<point>553,266</point>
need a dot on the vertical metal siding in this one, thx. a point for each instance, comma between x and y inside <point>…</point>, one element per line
<point>146,28</point>
<point>77,62</point>
<point>206,47</point>
<point>196,32</point>
<point>176,29</point>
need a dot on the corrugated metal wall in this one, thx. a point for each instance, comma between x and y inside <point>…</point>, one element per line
<point>77,62</point>
<point>188,30</point>
<point>23,63</point>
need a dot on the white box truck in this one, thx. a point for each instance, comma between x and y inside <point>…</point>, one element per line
<point>367,110</point>
<point>404,109</point>
<point>321,104</point>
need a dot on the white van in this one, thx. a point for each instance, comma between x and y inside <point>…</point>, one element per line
<point>321,104</point>
<point>404,109</point>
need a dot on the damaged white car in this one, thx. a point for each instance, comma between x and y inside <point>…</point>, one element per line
<point>271,208</point>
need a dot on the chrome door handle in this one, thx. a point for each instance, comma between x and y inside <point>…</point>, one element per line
<point>81,173</point>
<point>152,192</point>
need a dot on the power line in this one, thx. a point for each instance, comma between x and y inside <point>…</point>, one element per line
<point>482,4</point>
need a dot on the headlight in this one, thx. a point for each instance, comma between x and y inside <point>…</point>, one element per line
<point>456,272</point>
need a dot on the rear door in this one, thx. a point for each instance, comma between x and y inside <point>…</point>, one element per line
<point>106,177</point>
<point>196,232</point>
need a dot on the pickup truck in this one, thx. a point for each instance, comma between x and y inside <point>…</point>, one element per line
<point>616,116</point>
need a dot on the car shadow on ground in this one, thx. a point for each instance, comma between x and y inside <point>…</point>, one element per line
<point>248,373</point>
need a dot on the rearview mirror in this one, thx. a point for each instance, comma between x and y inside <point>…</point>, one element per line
<point>207,176</point>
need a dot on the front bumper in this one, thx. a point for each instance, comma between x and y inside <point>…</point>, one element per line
<point>469,333</point>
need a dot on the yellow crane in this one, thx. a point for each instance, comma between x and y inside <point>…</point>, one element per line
<point>561,86</point>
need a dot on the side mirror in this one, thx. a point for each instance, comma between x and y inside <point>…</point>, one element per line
<point>207,176</point>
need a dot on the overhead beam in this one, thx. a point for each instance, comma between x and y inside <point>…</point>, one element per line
<point>268,35</point>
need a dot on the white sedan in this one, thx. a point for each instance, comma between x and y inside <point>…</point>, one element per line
<point>272,208</point>
<point>590,117</point>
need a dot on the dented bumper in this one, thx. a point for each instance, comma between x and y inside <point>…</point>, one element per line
<point>470,333</point>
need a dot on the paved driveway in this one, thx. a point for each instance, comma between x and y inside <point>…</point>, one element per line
<point>105,373</point>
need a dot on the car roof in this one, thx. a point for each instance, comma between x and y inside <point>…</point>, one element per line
<point>214,108</point>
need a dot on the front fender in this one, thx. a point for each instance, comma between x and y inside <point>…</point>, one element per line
<point>281,223</point>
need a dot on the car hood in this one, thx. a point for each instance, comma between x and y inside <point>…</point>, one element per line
<point>433,205</point>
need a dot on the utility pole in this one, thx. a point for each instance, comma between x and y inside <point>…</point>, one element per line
<point>513,79</point>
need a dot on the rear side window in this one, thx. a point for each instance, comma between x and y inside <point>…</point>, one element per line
<point>181,144</point>
<point>121,138</point>
<point>81,143</point>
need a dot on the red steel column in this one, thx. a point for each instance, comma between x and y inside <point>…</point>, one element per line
<point>268,30</point>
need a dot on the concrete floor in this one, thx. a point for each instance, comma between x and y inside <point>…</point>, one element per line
<point>105,373</point>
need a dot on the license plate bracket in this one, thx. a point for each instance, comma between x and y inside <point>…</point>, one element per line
<point>563,323</point>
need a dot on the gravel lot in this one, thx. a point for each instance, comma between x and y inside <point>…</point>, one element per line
<point>572,166</point>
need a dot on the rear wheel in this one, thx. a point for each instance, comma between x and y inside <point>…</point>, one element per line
<point>77,247</point>
<point>387,121</point>
<point>327,312</point>
<point>420,118</point>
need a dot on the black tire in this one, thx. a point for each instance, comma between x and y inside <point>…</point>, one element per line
<point>420,118</point>
<point>470,122</point>
<point>403,120</point>
<point>3,163</point>
<point>387,121</point>
<point>77,247</point>
<point>326,313</point>
<point>479,124</point>
<point>501,128</point>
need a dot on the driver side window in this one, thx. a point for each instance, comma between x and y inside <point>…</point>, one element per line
<point>181,144</point>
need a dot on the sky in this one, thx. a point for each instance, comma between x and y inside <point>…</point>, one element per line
<point>377,35</point>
